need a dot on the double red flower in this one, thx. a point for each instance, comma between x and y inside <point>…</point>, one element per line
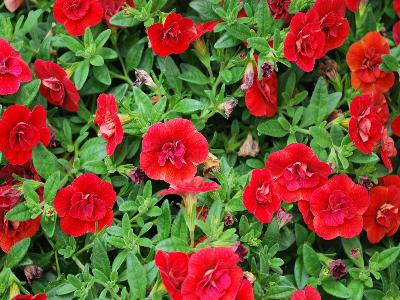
<point>396,126</point>
<point>20,131</point>
<point>55,85</point>
<point>309,293</point>
<point>13,69</point>
<point>352,5</point>
<point>85,205</point>
<point>30,297</point>
<point>112,7</point>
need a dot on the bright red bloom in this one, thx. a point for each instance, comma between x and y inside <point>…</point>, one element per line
<point>112,7</point>
<point>352,5</point>
<point>262,97</point>
<point>173,269</point>
<point>20,131</point>
<point>84,205</point>
<point>389,180</point>
<point>333,22</point>
<point>245,291</point>
<point>365,127</point>
<point>383,215</point>
<point>172,150</point>
<point>213,274</point>
<point>296,172</point>
<point>364,59</point>
<point>396,33</point>
<point>388,149</point>
<point>77,15</point>
<point>13,69</point>
<point>338,207</point>
<point>194,185</point>
<point>308,217</point>
<point>30,297</point>
<point>396,7</point>
<point>380,107</point>
<point>259,197</point>
<point>396,126</point>
<point>309,293</point>
<point>305,41</point>
<point>55,85</point>
<point>110,127</point>
<point>279,9</point>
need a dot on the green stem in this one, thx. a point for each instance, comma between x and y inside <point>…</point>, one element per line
<point>123,77</point>
<point>112,293</point>
<point>87,247</point>
<point>78,262</point>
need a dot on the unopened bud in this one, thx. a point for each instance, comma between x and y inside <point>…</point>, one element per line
<point>32,272</point>
<point>249,147</point>
<point>267,69</point>
<point>142,77</point>
<point>248,77</point>
<point>137,175</point>
<point>211,165</point>
<point>250,276</point>
<point>228,107</point>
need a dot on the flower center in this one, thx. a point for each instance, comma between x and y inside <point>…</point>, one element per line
<point>87,207</point>
<point>173,152</point>
<point>214,284</point>
<point>263,194</point>
<point>7,67</point>
<point>371,60</point>
<point>172,32</point>
<point>24,135</point>
<point>340,206</point>
<point>76,9</point>
<point>53,84</point>
<point>107,128</point>
<point>298,176</point>
<point>387,214</point>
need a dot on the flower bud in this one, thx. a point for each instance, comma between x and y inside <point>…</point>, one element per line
<point>142,77</point>
<point>249,147</point>
<point>250,276</point>
<point>267,68</point>
<point>338,269</point>
<point>211,165</point>
<point>137,175</point>
<point>228,107</point>
<point>248,77</point>
<point>240,250</point>
<point>366,182</point>
<point>283,217</point>
<point>228,220</point>
<point>328,68</point>
<point>200,46</point>
<point>32,272</point>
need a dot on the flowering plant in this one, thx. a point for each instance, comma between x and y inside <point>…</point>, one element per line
<point>199,150</point>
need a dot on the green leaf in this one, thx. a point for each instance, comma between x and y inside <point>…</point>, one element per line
<point>353,244</point>
<point>272,128</point>
<point>93,149</point>
<point>135,270</point>
<point>17,253</point>
<point>48,224</point>
<point>45,162</point>
<point>337,289</point>
<point>357,289</point>
<point>123,20</point>
<point>187,106</point>
<point>99,257</point>
<point>28,92</point>
<point>279,292</point>
<point>71,43</point>
<point>226,41</point>
<point>263,18</point>
<point>134,56</point>
<point>97,60</point>
<point>81,73</point>
<point>102,38</point>
<point>300,273</point>
<point>193,75</point>
<point>382,260</point>
<point>389,63</point>
<point>51,187</point>
<point>20,212</point>
<point>361,158</point>
<point>239,31</point>
<point>321,136</point>
<point>102,74</point>
<point>311,261</point>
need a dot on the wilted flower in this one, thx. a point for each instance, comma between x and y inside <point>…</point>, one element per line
<point>211,165</point>
<point>355,252</point>
<point>228,220</point>
<point>328,68</point>
<point>249,147</point>
<point>267,68</point>
<point>227,107</point>
<point>32,272</point>
<point>142,77</point>
<point>338,269</point>
<point>283,217</point>
<point>240,250</point>
<point>250,276</point>
<point>337,113</point>
<point>137,175</point>
<point>248,77</point>
<point>366,182</point>
<point>202,213</point>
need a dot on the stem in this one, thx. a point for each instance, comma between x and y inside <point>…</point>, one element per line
<point>87,247</point>
<point>78,262</point>
<point>112,293</point>
<point>123,77</point>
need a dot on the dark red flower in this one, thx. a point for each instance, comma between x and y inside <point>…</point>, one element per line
<point>55,85</point>
<point>137,175</point>
<point>388,149</point>
<point>296,172</point>
<point>245,291</point>
<point>305,41</point>
<point>279,9</point>
<point>25,171</point>
<point>77,15</point>
<point>364,59</point>
<point>112,7</point>
<point>352,5</point>
<point>194,185</point>
<point>13,69</point>
<point>110,127</point>
<point>20,131</point>
<point>396,126</point>
<point>172,150</point>
<point>338,207</point>
<point>30,297</point>
<point>396,33</point>
<point>308,217</point>
<point>240,251</point>
<point>365,127</point>
<point>259,196</point>
<point>85,205</point>
<point>383,215</point>
<point>262,96</point>
<point>173,269</point>
<point>396,7</point>
<point>12,232</point>
<point>309,293</point>
<point>337,268</point>
<point>333,22</point>
<point>212,274</point>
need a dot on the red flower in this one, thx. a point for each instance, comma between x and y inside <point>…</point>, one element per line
<point>173,269</point>
<point>212,274</point>
<point>308,217</point>
<point>380,107</point>
<point>30,297</point>
<point>333,23</point>
<point>25,171</point>
<point>305,41</point>
<point>396,33</point>
<point>172,150</point>
<point>262,97</point>
<point>383,215</point>
<point>296,172</point>
<point>245,291</point>
<point>309,293</point>
<point>12,232</point>
<point>55,85</point>
<point>352,5</point>
<point>389,180</point>
<point>13,69</point>
<point>365,127</point>
<point>112,7</point>
<point>396,126</point>
<point>84,205</point>
<point>396,7</point>
<point>279,9</point>
<point>77,15</point>
<point>194,185</point>
<point>20,131</point>
<point>259,197</point>
<point>110,127</point>
<point>175,34</point>
<point>364,58</point>
<point>388,149</point>
<point>13,5</point>
<point>338,207</point>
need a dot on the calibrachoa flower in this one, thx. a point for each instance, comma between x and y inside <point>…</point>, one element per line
<point>245,291</point>
<point>337,268</point>
<point>333,22</point>
<point>396,126</point>
<point>30,297</point>
<point>13,69</point>
<point>259,197</point>
<point>309,293</point>
<point>296,172</point>
<point>380,107</point>
<point>383,215</point>
<point>175,34</point>
<point>20,131</point>
<point>172,150</point>
<point>364,59</point>
<point>55,85</point>
<point>112,7</point>
<point>110,127</point>
<point>365,127</point>
<point>338,207</point>
<point>85,205</point>
<point>194,185</point>
<point>77,15</point>
<point>279,9</point>
<point>305,41</point>
<point>388,149</point>
<point>396,7</point>
<point>396,33</point>
<point>352,5</point>
<point>308,217</point>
